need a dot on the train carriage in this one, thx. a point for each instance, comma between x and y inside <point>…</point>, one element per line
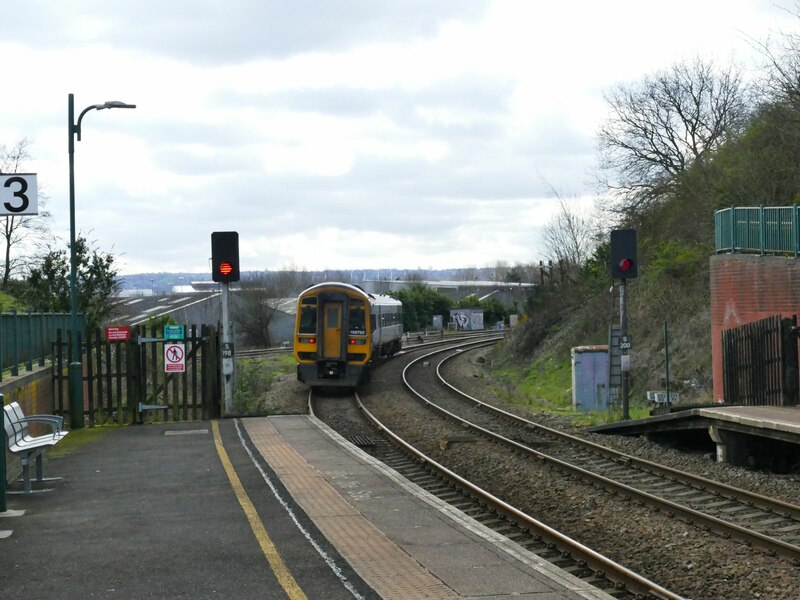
<point>340,330</point>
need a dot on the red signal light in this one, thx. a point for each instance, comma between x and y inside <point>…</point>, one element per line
<point>625,265</point>
<point>225,256</point>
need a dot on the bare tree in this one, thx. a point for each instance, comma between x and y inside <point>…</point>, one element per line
<point>17,229</point>
<point>782,74</point>
<point>501,270</point>
<point>259,302</point>
<point>662,125</point>
<point>568,236</point>
<point>469,273</point>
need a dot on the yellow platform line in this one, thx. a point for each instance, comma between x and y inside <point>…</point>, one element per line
<point>282,573</point>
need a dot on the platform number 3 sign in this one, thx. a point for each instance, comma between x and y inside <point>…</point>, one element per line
<point>19,194</point>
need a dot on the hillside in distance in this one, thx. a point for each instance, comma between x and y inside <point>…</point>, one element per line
<point>163,283</point>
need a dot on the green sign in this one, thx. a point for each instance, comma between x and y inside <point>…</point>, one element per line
<point>173,332</point>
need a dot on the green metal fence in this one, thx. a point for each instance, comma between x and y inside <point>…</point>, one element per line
<point>26,338</point>
<point>758,230</point>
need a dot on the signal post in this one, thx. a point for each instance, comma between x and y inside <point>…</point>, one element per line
<point>224,270</point>
<point>624,266</point>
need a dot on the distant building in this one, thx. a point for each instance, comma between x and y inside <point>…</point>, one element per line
<point>505,292</point>
<point>199,308</point>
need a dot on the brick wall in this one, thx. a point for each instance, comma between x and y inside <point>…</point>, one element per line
<point>745,288</point>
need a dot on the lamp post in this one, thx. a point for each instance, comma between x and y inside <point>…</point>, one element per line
<point>75,365</point>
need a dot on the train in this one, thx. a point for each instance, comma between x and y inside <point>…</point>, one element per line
<point>341,330</point>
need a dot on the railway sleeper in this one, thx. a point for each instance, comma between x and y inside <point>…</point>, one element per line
<point>769,522</point>
<point>423,480</point>
<point>451,496</point>
<point>492,521</point>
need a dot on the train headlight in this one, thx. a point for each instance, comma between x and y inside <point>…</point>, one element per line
<point>308,340</point>
<point>355,342</point>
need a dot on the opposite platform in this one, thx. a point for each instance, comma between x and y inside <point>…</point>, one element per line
<point>402,541</point>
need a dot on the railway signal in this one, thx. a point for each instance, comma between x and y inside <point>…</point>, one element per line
<point>225,256</point>
<point>225,269</point>
<point>624,264</point>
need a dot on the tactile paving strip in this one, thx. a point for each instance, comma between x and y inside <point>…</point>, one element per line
<point>380,562</point>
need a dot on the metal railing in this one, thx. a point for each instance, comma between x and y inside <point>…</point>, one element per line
<point>758,230</point>
<point>26,338</point>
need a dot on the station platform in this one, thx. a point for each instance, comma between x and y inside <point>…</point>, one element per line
<point>738,432</point>
<point>277,507</point>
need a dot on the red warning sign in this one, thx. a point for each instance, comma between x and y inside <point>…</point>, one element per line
<point>120,333</point>
<point>174,358</point>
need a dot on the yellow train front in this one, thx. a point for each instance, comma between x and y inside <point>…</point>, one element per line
<point>340,330</point>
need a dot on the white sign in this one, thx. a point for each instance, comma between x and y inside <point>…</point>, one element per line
<point>19,194</point>
<point>174,358</point>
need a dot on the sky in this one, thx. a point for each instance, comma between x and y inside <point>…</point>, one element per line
<point>337,135</point>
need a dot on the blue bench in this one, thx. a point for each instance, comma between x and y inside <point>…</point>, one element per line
<point>28,447</point>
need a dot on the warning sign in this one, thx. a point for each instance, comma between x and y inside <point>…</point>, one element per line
<point>174,358</point>
<point>120,333</point>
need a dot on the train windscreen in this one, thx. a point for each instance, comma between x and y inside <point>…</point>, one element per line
<point>308,319</point>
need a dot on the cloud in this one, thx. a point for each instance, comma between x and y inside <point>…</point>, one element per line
<point>214,33</point>
<point>338,134</point>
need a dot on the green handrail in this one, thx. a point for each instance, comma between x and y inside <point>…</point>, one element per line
<point>26,338</point>
<point>758,230</point>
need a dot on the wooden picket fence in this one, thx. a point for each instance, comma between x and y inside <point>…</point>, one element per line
<point>125,381</point>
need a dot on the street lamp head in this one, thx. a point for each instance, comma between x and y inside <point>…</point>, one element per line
<point>75,128</point>
<point>114,104</point>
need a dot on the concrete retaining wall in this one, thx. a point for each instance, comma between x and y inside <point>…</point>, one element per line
<point>34,393</point>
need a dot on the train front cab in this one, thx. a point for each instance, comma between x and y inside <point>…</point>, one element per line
<point>331,344</point>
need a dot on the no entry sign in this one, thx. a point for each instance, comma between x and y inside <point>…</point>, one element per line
<point>174,358</point>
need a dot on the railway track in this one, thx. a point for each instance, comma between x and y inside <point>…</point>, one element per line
<point>757,520</point>
<point>361,429</point>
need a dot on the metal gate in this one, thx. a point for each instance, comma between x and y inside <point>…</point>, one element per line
<point>759,363</point>
<point>125,381</point>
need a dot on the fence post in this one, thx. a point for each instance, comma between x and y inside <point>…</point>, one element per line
<point>58,367</point>
<point>43,342</point>
<point>2,354</point>
<point>762,229</point>
<point>89,365</point>
<point>29,358</point>
<point>733,231</point>
<point>3,461</point>
<point>134,374</point>
<point>14,344</point>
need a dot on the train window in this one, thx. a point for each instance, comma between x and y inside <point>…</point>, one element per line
<point>333,317</point>
<point>308,319</point>
<point>356,320</point>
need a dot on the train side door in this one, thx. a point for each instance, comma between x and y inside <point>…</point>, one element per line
<point>332,330</point>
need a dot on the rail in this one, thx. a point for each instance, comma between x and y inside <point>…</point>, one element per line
<point>598,563</point>
<point>758,230</point>
<point>770,506</point>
